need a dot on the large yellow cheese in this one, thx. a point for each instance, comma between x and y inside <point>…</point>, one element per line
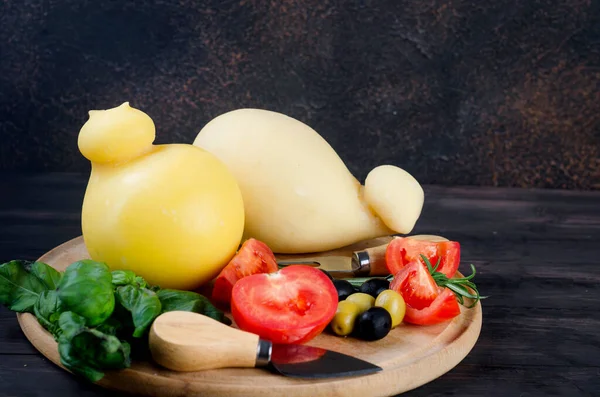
<point>299,196</point>
<point>171,213</point>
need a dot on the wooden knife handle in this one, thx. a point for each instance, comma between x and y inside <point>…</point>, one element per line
<point>186,341</point>
<point>376,255</point>
<point>372,259</point>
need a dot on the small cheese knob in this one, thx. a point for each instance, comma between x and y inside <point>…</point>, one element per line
<point>116,135</point>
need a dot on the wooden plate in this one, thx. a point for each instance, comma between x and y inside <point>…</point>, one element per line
<point>409,355</point>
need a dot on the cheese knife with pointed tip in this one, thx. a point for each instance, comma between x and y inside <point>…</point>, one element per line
<point>369,262</point>
<point>186,341</point>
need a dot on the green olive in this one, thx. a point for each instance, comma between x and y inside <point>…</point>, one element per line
<point>364,301</point>
<point>342,323</point>
<point>393,302</point>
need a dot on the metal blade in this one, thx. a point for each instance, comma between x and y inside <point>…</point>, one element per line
<point>301,361</point>
<point>337,265</point>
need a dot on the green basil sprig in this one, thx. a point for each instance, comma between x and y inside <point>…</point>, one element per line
<point>95,315</point>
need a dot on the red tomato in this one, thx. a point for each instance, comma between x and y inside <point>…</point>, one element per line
<point>401,251</point>
<point>426,302</point>
<point>416,285</point>
<point>443,308</point>
<point>253,257</point>
<point>291,306</point>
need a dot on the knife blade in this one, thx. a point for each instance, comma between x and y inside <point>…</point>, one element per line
<point>369,262</point>
<point>302,361</point>
<point>186,341</point>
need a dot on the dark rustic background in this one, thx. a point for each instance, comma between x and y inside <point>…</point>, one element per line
<point>498,92</point>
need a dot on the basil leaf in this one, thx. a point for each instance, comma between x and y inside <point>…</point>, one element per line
<point>45,273</point>
<point>69,358</point>
<point>143,304</point>
<point>48,309</point>
<point>86,289</point>
<point>127,277</point>
<point>87,351</point>
<point>71,324</point>
<point>122,277</point>
<point>19,289</point>
<point>140,282</point>
<point>110,327</point>
<point>173,300</point>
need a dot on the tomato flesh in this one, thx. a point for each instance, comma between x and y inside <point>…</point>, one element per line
<point>426,302</point>
<point>292,305</point>
<point>253,257</point>
<point>401,251</point>
<point>415,284</point>
<point>443,308</point>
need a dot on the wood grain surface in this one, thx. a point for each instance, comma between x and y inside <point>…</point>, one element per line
<point>536,253</point>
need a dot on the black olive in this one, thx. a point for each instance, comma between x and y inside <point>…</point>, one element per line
<point>373,324</point>
<point>374,286</point>
<point>344,289</point>
<point>327,274</point>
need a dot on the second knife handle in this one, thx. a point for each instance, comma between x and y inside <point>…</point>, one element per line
<point>372,259</point>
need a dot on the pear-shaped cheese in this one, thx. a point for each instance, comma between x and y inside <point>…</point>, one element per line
<point>299,196</point>
<point>171,213</point>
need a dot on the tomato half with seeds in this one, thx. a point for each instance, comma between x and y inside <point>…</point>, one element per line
<point>292,305</point>
<point>416,285</point>
<point>253,257</point>
<point>443,308</point>
<point>402,250</point>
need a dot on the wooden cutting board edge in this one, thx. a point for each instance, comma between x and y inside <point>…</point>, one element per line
<point>425,364</point>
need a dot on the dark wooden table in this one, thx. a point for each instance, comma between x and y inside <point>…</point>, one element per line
<point>537,253</point>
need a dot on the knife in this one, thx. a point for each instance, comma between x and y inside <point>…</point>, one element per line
<point>186,341</point>
<point>369,262</point>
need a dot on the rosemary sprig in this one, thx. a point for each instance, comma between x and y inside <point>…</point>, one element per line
<point>461,286</point>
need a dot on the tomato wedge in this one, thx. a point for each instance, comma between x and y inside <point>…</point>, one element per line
<point>416,285</point>
<point>401,251</point>
<point>253,257</point>
<point>426,302</point>
<point>292,305</point>
<point>443,308</point>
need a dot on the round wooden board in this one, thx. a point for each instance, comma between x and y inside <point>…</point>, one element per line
<point>409,355</point>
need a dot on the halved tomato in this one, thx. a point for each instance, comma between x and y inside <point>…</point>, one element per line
<point>253,257</point>
<point>292,305</point>
<point>401,251</point>
<point>443,308</point>
<point>416,285</point>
